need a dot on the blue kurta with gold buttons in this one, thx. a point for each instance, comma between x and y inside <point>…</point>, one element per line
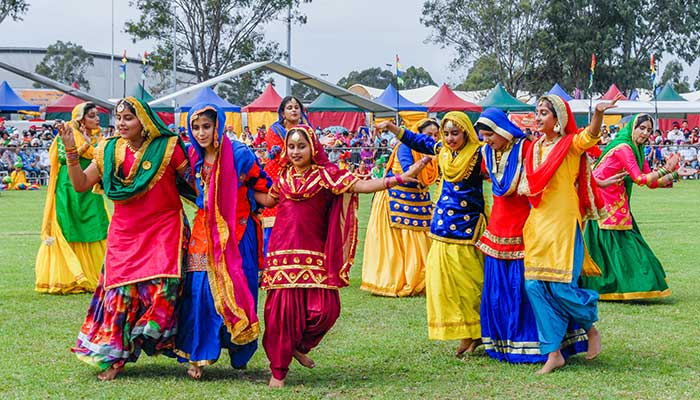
<point>459,209</point>
<point>410,206</point>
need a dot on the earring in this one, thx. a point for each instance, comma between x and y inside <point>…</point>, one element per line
<point>144,133</point>
<point>557,127</point>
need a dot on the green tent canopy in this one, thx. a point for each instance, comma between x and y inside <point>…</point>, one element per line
<point>668,93</point>
<point>326,102</point>
<point>142,94</point>
<point>500,98</point>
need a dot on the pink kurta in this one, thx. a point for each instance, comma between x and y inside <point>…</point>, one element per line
<point>620,159</point>
<point>145,234</point>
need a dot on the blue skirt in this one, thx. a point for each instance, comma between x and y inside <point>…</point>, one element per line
<point>508,325</point>
<point>202,333</point>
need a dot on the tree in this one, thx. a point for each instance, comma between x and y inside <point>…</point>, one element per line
<point>14,9</point>
<point>481,76</point>
<point>416,77</point>
<point>673,73</point>
<point>304,93</point>
<point>212,37</point>
<point>623,34</point>
<point>502,29</point>
<point>373,77</point>
<point>67,63</point>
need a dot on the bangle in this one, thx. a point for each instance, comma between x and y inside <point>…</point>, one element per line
<point>662,171</point>
<point>70,162</point>
<point>71,149</point>
<point>399,179</point>
<point>675,175</point>
<point>386,183</point>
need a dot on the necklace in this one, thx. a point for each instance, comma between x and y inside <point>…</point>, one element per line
<point>133,150</point>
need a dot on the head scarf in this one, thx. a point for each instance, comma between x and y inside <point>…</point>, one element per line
<point>624,136</point>
<point>537,177</point>
<point>77,115</point>
<point>278,127</point>
<point>457,167</point>
<point>498,121</point>
<point>341,235</point>
<point>157,150</point>
<point>219,196</point>
<point>429,174</point>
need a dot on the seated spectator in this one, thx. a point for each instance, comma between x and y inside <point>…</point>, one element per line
<point>675,135</point>
<point>378,169</point>
<point>363,171</point>
<point>334,155</point>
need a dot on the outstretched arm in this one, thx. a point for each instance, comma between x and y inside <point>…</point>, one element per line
<point>421,143</point>
<point>375,185</point>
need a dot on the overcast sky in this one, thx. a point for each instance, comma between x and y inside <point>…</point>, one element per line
<point>340,36</point>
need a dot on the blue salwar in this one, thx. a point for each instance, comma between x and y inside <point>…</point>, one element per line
<point>557,304</point>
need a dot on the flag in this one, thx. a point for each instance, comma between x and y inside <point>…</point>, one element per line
<point>399,72</point>
<point>144,61</point>
<point>590,79</point>
<point>652,67</point>
<point>123,66</point>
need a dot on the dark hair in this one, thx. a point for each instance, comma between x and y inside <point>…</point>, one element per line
<point>482,127</point>
<point>89,106</point>
<point>642,119</point>
<point>286,101</point>
<point>211,114</point>
<point>547,103</point>
<point>426,124</point>
<point>127,104</point>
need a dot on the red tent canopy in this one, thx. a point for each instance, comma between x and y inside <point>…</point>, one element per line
<point>612,92</point>
<point>67,103</point>
<point>269,100</point>
<point>446,100</point>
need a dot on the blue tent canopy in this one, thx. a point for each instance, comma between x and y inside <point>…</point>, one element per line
<point>390,97</point>
<point>559,91</point>
<point>207,95</point>
<point>10,101</point>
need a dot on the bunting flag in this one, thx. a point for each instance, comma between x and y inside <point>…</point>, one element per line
<point>399,72</point>
<point>652,68</point>
<point>123,67</point>
<point>144,61</point>
<point>590,79</point>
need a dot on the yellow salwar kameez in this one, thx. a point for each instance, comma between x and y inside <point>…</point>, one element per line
<point>397,240</point>
<point>455,268</point>
<point>64,265</point>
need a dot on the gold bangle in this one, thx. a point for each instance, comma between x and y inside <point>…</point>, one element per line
<point>70,149</point>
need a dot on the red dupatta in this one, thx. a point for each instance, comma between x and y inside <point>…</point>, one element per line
<point>341,237</point>
<point>219,196</point>
<point>590,202</point>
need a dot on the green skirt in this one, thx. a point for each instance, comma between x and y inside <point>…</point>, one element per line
<point>630,270</point>
<point>82,216</point>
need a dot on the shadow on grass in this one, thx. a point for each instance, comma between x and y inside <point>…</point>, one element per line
<point>156,372</point>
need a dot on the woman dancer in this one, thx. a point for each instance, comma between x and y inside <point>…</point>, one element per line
<point>562,196</point>
<point>291,112</point>
<point>75,224</point>
<point>508,327</point>
<point>134,305</point>
<point>220,295</point>
<point>630,270</point>
<point>454,274</point>
<point>396,247</point>
<point>311,248</point>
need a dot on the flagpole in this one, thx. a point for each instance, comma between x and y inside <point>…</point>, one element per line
<point>590,88</point>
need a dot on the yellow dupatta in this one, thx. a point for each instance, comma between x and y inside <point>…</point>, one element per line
<point>457,167</point>
<point>429,174</point>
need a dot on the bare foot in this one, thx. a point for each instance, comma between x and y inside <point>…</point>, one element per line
<point>304,359</point>
<point>474,344</point>
<point>464,345</point>
<point>109,374</point>
<point>195,372</point>
<point>276,383</point>
<point>594,343</point>
<point>554,360</point>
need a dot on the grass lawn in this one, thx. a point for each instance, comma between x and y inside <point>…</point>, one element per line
<point>379,347</point>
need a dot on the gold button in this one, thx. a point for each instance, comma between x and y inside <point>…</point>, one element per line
<point>463,203</point>
<point>456,187</point>
<point>440,222</point>
<point>398,220</point>
<point>445,198</point>
<point>415,223</point>
<point>405,208</point>
<point>413,196</point>
<point>453,227</point>
<point>424,209</point>
<point>396,206</point>
<point>467,218</point>
<point>296,260</point>
<point>439,211</point>
<point>403,195</point>
<point>469,230</point>
<point>406,221</point>
<point>308,260</point>
<point>425,223</point>
<point>450,213</point>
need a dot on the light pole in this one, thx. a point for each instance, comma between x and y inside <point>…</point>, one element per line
<point>111,57</point>
<point>289,46</point>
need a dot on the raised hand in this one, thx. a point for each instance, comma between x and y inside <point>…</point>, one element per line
<point>672,162</point>
<point>65,131</point>
<point>603,107</point>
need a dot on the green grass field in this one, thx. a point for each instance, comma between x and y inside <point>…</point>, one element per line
<point>379,347</point>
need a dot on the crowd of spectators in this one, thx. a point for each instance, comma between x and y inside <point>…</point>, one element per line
<point>364,151</point>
